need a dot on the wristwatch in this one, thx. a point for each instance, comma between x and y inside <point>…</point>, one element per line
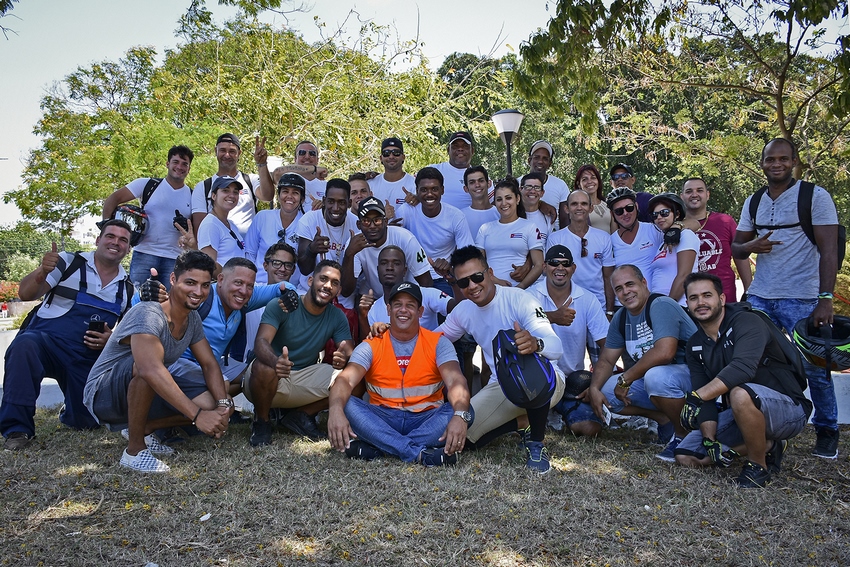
<point>465,416</point>
<point>225,403</point>
<point>540,345</point>
<point>622,383</point>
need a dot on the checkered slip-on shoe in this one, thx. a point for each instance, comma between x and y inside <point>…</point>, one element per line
<point>153,444</point>
<point>144,462</point>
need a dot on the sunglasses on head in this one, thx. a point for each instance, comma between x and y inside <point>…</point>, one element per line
<point>560,263</point>
<point>662,213</point>
<point>618,176</point>
<point>312,153</point>
<point>276,264</point>
<point>388,153</point>
<point>627,209</point>
<point>477,277</point>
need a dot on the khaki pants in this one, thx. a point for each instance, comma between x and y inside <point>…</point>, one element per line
<point>303,386</point>
<point>493,409</point>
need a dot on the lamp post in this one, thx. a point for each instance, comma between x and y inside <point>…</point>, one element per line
<point>507,124</point>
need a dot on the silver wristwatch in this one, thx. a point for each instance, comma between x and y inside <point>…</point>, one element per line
<point>465,416</point>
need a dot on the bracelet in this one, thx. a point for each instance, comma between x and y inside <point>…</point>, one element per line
<point>262,164</point>
<point>315,169</point>
<point>225,403</point>
<point>196,416</point>
<point>825,295</point>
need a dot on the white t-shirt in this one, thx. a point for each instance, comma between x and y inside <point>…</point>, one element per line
<point>640,252</point>
<point>509,305</point>
<point>263,233</point>
<point>600,255</point>
<point>243,213</point>
<point>339,237</point>
<point>161,237</point>
<point>555,191</point>
<point>665,265</point>
<point>508,243</point>
<point>454,194</point>
<point>433,300</point>
<point>477,217</point>
<point>366,261</point>
<point>212,232</point>
<point>542,222</point>
<point>438,236</point>
<point>392,190</point>
<point>315,188</point>
<point>590,320</point>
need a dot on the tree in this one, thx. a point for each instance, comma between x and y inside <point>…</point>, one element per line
<point>6,6</point>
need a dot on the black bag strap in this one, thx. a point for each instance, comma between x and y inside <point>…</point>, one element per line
<point>247,179</point>
<point>150,187</point>
<point>78,263</point>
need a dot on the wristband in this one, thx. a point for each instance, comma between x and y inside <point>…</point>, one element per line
<point>194,419</point>
<point>825,295</point>
<point>315,169</point>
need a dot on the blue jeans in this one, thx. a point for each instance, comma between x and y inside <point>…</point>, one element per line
<point>141,264</point>
<point>785,313</point>
<point>397,432</point>
<point>668,381</point>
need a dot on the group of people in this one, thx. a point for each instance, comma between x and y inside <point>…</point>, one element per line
<point>376,290</point>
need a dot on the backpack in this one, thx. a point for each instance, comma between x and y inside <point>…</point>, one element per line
<point>78,263</point>
<point>147,192</point>
<point>793,358</point>
<point>527,380</point>
<point>245,178</point>
<point>238,344</point>
<point>804,213</point>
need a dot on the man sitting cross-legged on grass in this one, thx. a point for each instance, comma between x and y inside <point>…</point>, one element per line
<point>406,370</point>
<point>650,332</point>
<point>735,355</point>
<point>130,386</point>
<point>285,373</point>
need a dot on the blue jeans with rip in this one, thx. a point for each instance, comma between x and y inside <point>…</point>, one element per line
<point>785,313</point>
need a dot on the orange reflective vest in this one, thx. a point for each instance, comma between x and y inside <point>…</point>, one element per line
<point>420,387</point>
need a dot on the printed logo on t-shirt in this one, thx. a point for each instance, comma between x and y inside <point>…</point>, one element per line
<point>403,362</point>
<point>710,249</point>
<point>597,255</point>
<point>646,245</point>
<point>539,236</point>
<point>516,235</point>
<point>539,313</point>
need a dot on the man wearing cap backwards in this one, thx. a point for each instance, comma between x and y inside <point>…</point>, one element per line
<point>540,158</point>
<point>460,149</point>
<point>391,185</point>
<point>252,187</point>
<point>361,256</point>
<point>159,246</point>
<point>574,314</point>
<point>407,371</point>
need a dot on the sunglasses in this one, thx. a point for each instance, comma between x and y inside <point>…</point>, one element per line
<point>311,153</point>
<point>584,247</point>
<point>618,176</point>
<point>662,213</point>
<point>288,266</point>
<point>560,263</point>
<point>477,277</point>
<point>388,153</point>
<point>281,235</point>
<point>627,209</point>
<point>373,221</point>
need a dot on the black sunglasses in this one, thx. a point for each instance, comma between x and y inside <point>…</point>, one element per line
<point>388,153</point>
<point>662,213</point>
<point>618,176</point>
<point>313,153</point>
<point>477,277</point>
<point>560,263</point>
<point>584,247</point>
<point>281,235</point>
<point>627,209</point>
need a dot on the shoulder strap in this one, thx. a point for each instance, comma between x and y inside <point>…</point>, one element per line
<point>206,306</point>
<point>804,209</point>
<point>78,263</point>
<point>754,205</point>
<point>150,187</point>
<point>250,186</point>
<point>652,297</point>
<point>207,188</point>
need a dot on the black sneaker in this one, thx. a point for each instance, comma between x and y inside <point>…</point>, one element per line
<point>436,457</point>
<point>826,446</point>
<point>358,449</point>
<point>302,424</point>
<point>753,475</point>
<point>774,456</point>
<point>17,440</point>
<point>261,433</point>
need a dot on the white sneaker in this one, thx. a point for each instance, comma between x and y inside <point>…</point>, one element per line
<point>143,462</point>
<point>153,444</point>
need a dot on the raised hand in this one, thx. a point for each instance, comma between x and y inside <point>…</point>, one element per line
<point>339,358</point>
<point>564,315</point>
<point>283,367</point>
<point>260,153</point>
<point>763,244</point>
<point>50,260</point>
<point>366,302</point>
<point>525,343</point>
<point>316,203</point>
<point>441,266</point>
<point>410,198</point>
<point>357,242</point>
<point>187,239</point>
<point>320,244</point>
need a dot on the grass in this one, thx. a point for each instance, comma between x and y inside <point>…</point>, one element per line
<point>65,501</point>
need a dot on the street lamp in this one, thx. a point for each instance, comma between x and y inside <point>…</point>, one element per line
<point>507,124</point>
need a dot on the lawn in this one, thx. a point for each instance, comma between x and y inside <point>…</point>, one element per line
<point>65,501</point>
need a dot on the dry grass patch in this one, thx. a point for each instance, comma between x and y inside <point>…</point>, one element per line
<point>65,501</point>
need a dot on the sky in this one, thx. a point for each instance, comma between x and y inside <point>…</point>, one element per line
<point>55,37</point>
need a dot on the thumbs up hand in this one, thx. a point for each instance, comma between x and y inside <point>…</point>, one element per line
<point>525,343</point>
<point>564,315</point>
<point>283,368</point>
<point>50,260</point>
<point>410,198</point>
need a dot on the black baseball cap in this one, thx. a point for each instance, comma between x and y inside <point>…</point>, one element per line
<point>392,142</point>
<point>229,138</point>
<point>370,204</point>
<point>559,252</point>
<point>291,180</point>
<point>628,168</point>
<point>410,289</point>
<point>465,136</point>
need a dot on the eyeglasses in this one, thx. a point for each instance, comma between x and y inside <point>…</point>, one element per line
<point>536,188</point>
<point>388,153</point>
<point>311,153</point>
<point>627,209</point>
<point>477,277</point>
<point>372,221</point>
<point>618,176</point>
<point>584,247</point>
<point>288,266</point>
<point>281,235</point>
<point>662,213</point>
<point>560,263</point>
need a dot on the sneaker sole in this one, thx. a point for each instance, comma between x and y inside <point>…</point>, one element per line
<point>827,457</point>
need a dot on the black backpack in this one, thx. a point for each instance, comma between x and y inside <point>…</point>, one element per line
<point>804,213</point>
<point>245,178</point>
<point>793,358</point>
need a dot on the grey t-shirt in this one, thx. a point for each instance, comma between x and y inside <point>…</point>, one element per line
<point>362,354</point>
<point>668,320</point>
<point>791,269</point>
<point>146,318</point>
